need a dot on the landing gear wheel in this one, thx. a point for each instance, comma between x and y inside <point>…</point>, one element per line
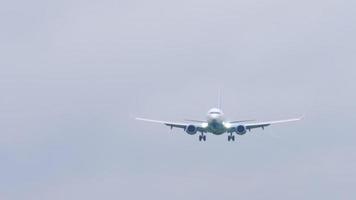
<point>231,138</point>
<point>202,137</point>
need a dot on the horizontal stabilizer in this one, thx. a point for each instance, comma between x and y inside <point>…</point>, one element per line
<point>245,120</point>
<point>195,120</point>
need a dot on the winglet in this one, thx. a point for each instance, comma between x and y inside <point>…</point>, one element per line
<point>302,117</point>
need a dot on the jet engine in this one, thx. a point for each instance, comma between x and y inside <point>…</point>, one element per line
<point>240,129</point>
<point>191,129</point>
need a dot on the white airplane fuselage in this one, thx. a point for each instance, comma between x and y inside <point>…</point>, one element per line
<point>215,119</point>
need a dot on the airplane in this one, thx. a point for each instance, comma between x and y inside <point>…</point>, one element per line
<point>216,124</point>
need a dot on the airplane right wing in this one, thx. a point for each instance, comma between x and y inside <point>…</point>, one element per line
<point>171,124</point>
<point>199,126</point>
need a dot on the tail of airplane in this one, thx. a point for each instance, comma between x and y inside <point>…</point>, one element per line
<point>219,99</point>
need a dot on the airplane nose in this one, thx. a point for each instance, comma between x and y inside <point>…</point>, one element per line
<point>214,116</point>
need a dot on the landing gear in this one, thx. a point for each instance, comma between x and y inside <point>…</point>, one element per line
<point>231,138</point>
<point>202,137</point>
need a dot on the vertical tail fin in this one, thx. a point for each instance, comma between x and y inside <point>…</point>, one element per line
<point>219,99</point>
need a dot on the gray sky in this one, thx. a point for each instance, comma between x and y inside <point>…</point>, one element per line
<point>74,73</point>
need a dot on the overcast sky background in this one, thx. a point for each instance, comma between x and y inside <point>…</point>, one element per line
<point>74,74</point>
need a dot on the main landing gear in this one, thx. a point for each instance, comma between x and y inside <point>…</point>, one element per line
<point>231,138</point>
<point>202,138</point>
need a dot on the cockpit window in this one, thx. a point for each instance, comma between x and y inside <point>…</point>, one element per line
<point>215,113</point>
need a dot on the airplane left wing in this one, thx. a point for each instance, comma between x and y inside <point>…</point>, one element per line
<point>262,125</point>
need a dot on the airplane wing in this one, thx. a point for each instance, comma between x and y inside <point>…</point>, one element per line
<point>262,125</point>
<point>173,124</point>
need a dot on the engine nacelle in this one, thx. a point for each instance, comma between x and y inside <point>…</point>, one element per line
<point>240,129</point>
<point>191,129</point>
